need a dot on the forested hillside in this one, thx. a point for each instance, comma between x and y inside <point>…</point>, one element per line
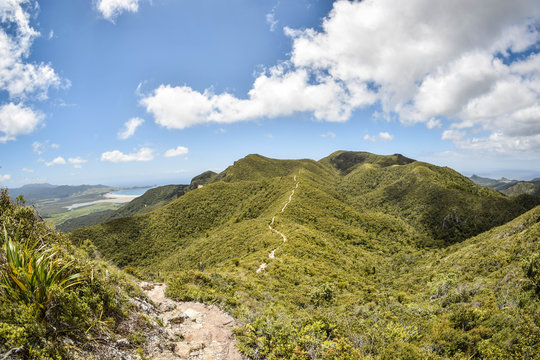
<point>355,255</point>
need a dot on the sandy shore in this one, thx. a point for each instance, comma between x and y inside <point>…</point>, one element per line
<point>109,197</point>
<point>119,198</point>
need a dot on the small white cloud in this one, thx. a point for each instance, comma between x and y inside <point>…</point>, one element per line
<point>129,128</point>
<point>27,170</point>
<point>433,124</point>
<point>269,136</point>
<point>271,20</point>
<point>329,134</point>
<point>56,161</point>
<point>77,162</point>
<point>384,136</point>
<point>110,9</point>
<point>16,119</point>
<point>220,131</point>
<point>367,137</point>
<point>115,156</point>
<point>39,148</point>
<point>4,178</point>
<point>180,150</point>
<point>51,34</point>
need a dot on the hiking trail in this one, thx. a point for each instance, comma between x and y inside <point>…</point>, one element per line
<point>272,255</point>
<point>195,331</point>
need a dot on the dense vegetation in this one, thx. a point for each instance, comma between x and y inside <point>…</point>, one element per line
<point>385,258</point>
<point>55,300</point>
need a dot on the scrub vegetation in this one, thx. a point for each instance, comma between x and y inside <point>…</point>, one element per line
<point>385,258</point>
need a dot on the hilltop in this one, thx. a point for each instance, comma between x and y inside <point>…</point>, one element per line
<point>341,255</point>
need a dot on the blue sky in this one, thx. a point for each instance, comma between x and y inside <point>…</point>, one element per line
<point>127,92</point>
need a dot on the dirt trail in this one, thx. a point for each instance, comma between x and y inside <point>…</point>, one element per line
<point>196,331</point>
<point>272,255</point>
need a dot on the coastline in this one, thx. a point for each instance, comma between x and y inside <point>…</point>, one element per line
<point>108,197</point>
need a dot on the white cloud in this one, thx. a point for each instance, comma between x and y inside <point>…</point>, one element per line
<point>129,128</point>
<point>56,161</point>
<point>39,148</point>
<point>110,9</point>
<point>18,77</point>
<point>371,138</point>
<point>77,162</point>
<point>180,150</point>
<point>276,93</point>
<point>27,170</point>
<point>424,61</point>
<point>271,20</point>
<point>16,119</point>
<point>383,136</point>
<point>329,134</point>
<point>115,156</point>
<point>4,178</point>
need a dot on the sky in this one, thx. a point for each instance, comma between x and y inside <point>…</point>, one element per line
<point>144,92</point>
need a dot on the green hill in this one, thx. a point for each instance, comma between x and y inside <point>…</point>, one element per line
<point>366,239</point>
<point>510,187</point>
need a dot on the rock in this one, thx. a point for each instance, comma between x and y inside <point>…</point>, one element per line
<point>168,307</point>
<point>123,343</point>
<point>178,319</point>
<point>192,314</point>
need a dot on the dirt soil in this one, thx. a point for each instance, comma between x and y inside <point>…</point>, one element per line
<point>195,330</point>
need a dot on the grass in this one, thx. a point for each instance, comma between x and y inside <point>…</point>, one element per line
<point>60,217</point>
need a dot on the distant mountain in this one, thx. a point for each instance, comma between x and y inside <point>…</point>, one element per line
<point>510,187</point>
<point>36,192</point>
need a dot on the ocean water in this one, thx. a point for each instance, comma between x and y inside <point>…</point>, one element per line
<point>132,192</point>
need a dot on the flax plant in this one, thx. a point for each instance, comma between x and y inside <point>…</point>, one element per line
<point>31,274</point>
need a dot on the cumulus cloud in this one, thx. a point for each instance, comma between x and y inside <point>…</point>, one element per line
<point>18,77</point>
<point>56,161</point>
<point>4,178</point>
<point>383,136</point>
<point>27,170</point>
<point>17,119</point>
<point>77,162</point>
<point>129,128</point>
<point>278,92</point>
<point>466,64</point>
<point>115,156</point>
<point>110,9</point>
<point>180,150</point>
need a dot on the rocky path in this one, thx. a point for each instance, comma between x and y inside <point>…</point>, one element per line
<point>195,330</point>
<point>272,255</point>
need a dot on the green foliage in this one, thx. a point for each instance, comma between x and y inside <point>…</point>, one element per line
<point>51,293</point>
<point>31,274</point>
<point>385,258</point>
<point>532,272</point>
